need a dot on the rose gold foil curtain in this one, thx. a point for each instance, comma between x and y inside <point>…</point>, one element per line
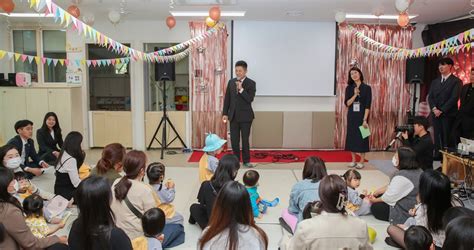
<point>208,71</point>
<point>390,94</point>
<point>463,62</point>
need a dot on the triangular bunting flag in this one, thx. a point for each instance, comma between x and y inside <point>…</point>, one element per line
<point>17,56</point>
<point>55,62</point>
<point>31,58</point>
<point>37,60</point>
<point>48,61</point>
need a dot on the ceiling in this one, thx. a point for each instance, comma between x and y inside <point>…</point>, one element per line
<point>429,11</point>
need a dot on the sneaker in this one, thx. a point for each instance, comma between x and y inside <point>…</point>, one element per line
<point>359,165</point>
<point>249,165</point>
<point>351,165</point>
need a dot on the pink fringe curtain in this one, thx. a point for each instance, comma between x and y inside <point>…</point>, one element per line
<point>463,62</point>
<point>208,71</point>
<point>390,94</point>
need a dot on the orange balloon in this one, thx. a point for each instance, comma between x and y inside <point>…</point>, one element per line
<point>8,6</point>
<point>74,11</point>
<point>170,22</point>
<point>403,19</point>
<point>215,13</point>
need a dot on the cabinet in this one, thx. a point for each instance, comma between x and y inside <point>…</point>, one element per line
<point>111,126</point>
<point>34,102</point>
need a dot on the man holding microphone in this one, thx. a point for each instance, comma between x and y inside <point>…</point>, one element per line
<point>238,111</point>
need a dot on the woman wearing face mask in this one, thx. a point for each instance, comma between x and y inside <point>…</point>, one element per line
<point>10,158</point>
<point>17,235</point>
<point>392,202</point>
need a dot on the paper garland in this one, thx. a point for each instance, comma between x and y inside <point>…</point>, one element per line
<point>66,19</point>
<point>89,63</point>
<point>451,45</point>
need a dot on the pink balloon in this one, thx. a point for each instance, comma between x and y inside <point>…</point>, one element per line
<point>170,22</point>
<point>215,13</point>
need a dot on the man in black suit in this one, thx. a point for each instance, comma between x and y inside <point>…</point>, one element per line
<point>26,148</point>
<point>421,142</point>
<point>443,99</point>
<point>238,110</point>
<point>464,125</point>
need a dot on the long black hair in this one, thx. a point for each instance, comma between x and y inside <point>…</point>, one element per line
<point>96,219</point>
<point>460,234</point>
<point>435,194</point>
<point>226,171</point>
<point>314,169</point>
<point>231,209</point>
<point>6,177</point>
<point>349,78</point>
<point>56,128</point>
<point>406,158</point>
<point>72,146</point>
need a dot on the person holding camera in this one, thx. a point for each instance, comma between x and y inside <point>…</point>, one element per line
<point>421,142</point>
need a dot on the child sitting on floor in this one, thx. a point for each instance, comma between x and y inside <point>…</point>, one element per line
<point>208,162</point>
<point>259,206</point>
<point>33,208</point>
<point>153,223</point>
<point>357,203</point>
<point>418,238</point>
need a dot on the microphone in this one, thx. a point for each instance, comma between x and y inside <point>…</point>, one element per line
<point>393,141</point>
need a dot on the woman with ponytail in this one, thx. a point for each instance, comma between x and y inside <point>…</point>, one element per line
<point>326,224</point>
<point>111,163</point>
<point>132,198</point>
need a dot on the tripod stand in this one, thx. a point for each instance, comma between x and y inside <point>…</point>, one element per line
<point>164,120</point>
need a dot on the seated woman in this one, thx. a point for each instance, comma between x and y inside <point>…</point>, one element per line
<point>71,159</point>
<point>10,158</point>
<point>226,171</point>
<point>304,191</point>
<point>435,199</point>
<point>331,227</point>
<point>87,232</point>
<point>49,138</point>
<point>110,164</point>
<point>16,234</point>
<point>132,198</point>
<point>232,225</point>
<point>392,202</point>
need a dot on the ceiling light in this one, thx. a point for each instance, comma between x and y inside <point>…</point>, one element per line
<point>206,13</point>
<point>370,16</point>
<point>294,13</point>
<point>26,15</point>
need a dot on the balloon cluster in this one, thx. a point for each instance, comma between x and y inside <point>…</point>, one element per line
<point>211,20</point>
<point>402,7</point>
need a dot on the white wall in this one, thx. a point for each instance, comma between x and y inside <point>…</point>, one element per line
<point>5,64</point>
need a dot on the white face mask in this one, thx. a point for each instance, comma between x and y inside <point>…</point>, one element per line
<point>16,187</point>
<point>13,163</point>
<point>394,161</point>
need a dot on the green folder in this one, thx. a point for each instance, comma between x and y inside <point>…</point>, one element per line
<point>365,132</point>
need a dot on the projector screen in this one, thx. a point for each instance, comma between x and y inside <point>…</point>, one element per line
<point>287,58</point>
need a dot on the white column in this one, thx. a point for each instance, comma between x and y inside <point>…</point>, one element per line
<point>137,93</point>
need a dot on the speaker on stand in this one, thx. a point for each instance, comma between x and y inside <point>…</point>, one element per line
<point>415,69</point>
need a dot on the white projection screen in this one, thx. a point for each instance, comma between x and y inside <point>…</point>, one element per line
<point>287,58</point>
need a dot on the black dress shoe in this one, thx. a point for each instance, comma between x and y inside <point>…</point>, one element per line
<point>191,220</point>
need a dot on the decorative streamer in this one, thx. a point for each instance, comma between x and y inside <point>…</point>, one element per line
<point>66,19</point>
<point>96,63</point>
<point>451,45</point>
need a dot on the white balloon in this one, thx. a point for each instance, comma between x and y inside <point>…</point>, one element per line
<point>88,19</point>
<point>114,16</point>
<point>402,5</point>
<point>340,17</point>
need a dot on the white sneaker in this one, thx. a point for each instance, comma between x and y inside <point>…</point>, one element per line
<point>359,166</point>
<point>351,165</point>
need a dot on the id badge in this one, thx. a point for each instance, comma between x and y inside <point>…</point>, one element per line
<point>356,107</point>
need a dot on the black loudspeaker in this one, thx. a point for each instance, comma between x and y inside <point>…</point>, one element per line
<point>164,70</point>
<point>415,70</point>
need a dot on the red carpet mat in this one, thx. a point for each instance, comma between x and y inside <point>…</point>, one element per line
<point>287,156</point>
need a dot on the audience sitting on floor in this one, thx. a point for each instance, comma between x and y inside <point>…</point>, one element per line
<point>49,138</point>
<point>153,223</point>
<point>232,225</point>
<point>110,164</point>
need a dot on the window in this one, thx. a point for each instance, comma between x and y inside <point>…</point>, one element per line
<point>109,86</point>
<point>54,46</point>
<point>24,42</point>
<point>177,90</point>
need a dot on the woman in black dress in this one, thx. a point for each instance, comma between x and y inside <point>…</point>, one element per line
<point>49,138</point>
<point>358,99</point>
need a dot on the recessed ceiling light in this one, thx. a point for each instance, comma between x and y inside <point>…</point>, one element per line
<point>26,15</point>
<point>206,13</point>
<point>294,13</point>
<point>370,16</point>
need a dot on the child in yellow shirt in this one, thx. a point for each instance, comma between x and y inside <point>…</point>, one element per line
<point>208,162</point>
<point>33,208</point>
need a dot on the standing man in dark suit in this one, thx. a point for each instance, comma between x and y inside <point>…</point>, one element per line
<point>443,99</point>
<point>464,125</point>
<point>26,148</point>
<point>238,110</point>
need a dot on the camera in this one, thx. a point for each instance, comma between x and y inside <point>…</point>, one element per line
<point>405,128</point>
